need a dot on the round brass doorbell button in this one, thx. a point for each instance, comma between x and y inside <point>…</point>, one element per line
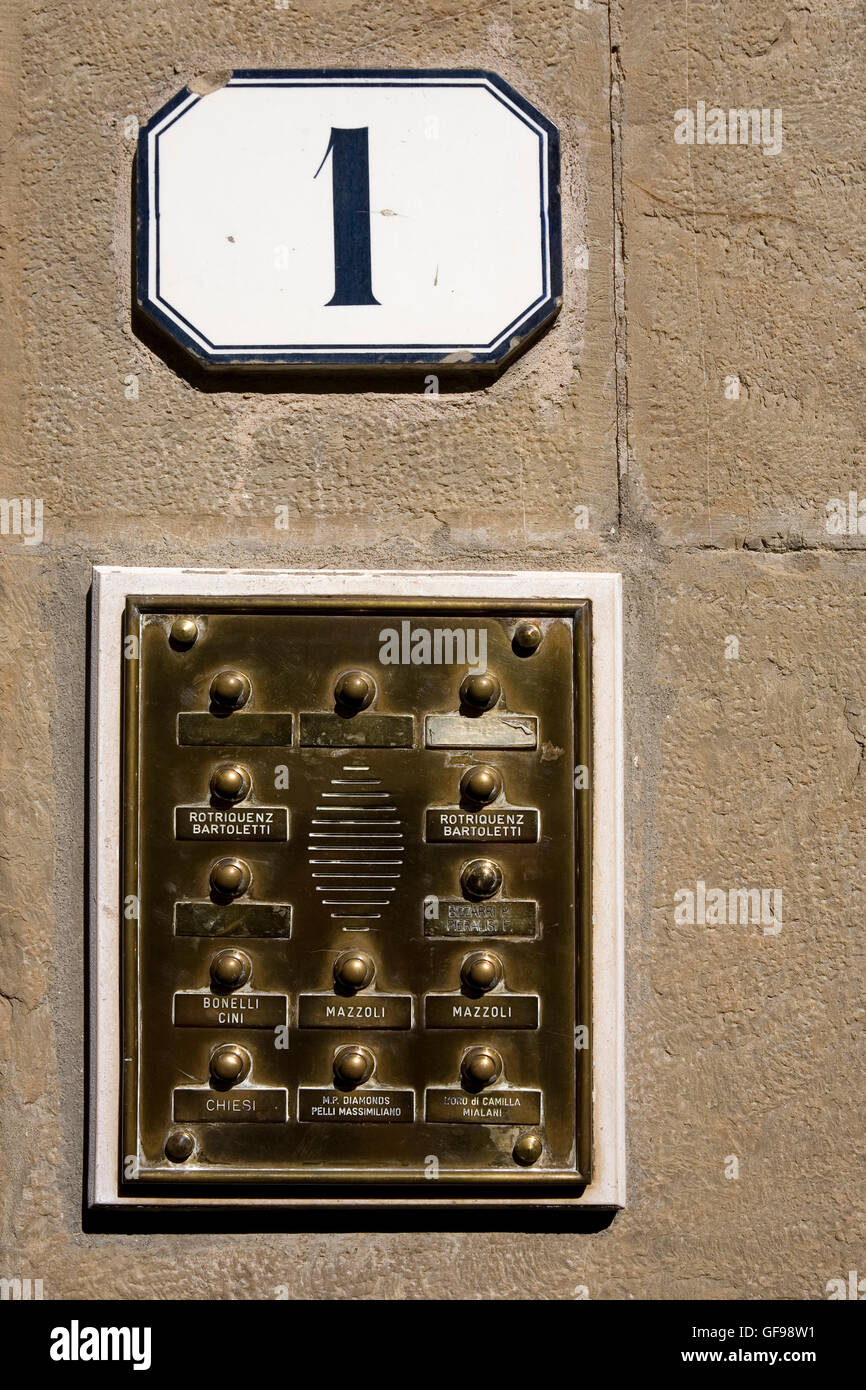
<point>230,689</point>
<point>353,970</point>
<point>230,877</point>
<point>230,782</point>
<point>352,1066</point>
<point>481,784</point>
<point>354,691</point>
<point>230,1064</point>
<point>230,969</point>
<point>480,692</point>
<point>481,878</point>
<point>480,1067</point>
<point>482,971</point>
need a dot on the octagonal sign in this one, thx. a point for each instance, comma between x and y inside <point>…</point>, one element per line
<point>339,217</point>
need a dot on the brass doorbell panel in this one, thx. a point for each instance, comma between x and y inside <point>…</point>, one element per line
<point>356,897</point>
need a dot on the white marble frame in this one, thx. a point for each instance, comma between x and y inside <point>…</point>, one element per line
<point>111,587</point>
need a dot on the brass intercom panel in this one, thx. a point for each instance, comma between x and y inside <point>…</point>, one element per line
<point>356,895</point>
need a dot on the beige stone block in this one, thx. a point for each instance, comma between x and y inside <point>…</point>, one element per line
<point>746,1037</point>
<point>118,444</point>
<point>744,274</point>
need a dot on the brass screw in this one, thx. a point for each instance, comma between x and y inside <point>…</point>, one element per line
<point>179,1145</point>
<point>184,632</point>
<point>528,637</point>
<point>527,1150</point>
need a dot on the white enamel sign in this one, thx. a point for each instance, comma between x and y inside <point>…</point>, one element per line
<point>338,217</point>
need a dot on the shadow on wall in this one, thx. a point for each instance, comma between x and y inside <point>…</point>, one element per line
<point>552,1221</point>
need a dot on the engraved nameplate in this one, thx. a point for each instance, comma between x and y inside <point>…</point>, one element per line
<point>236,823</point>
<point>496,1011</point>
<point>196,729</point>
<point>505,1107</point>
<point>195,1104</point>
<point>234,919</point>
<point>240,1010</point>
<point>359,731</point>
<point>371,1011</point>
<point>456,826</point>
<point>501,918</point>
<point>374,1106</point>
<point>488,731</point>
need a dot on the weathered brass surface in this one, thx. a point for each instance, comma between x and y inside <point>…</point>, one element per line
<point>239,919</point>
<point>497,731</point>
<point>211,730</point>
<point>318,878</point>
<point>338,730</point>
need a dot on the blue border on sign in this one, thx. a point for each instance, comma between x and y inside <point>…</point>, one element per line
<point>327,355</point>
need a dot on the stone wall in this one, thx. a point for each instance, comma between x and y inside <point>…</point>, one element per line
<point>700,395</point>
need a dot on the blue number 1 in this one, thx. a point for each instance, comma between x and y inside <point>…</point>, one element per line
<point>350,163</point>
